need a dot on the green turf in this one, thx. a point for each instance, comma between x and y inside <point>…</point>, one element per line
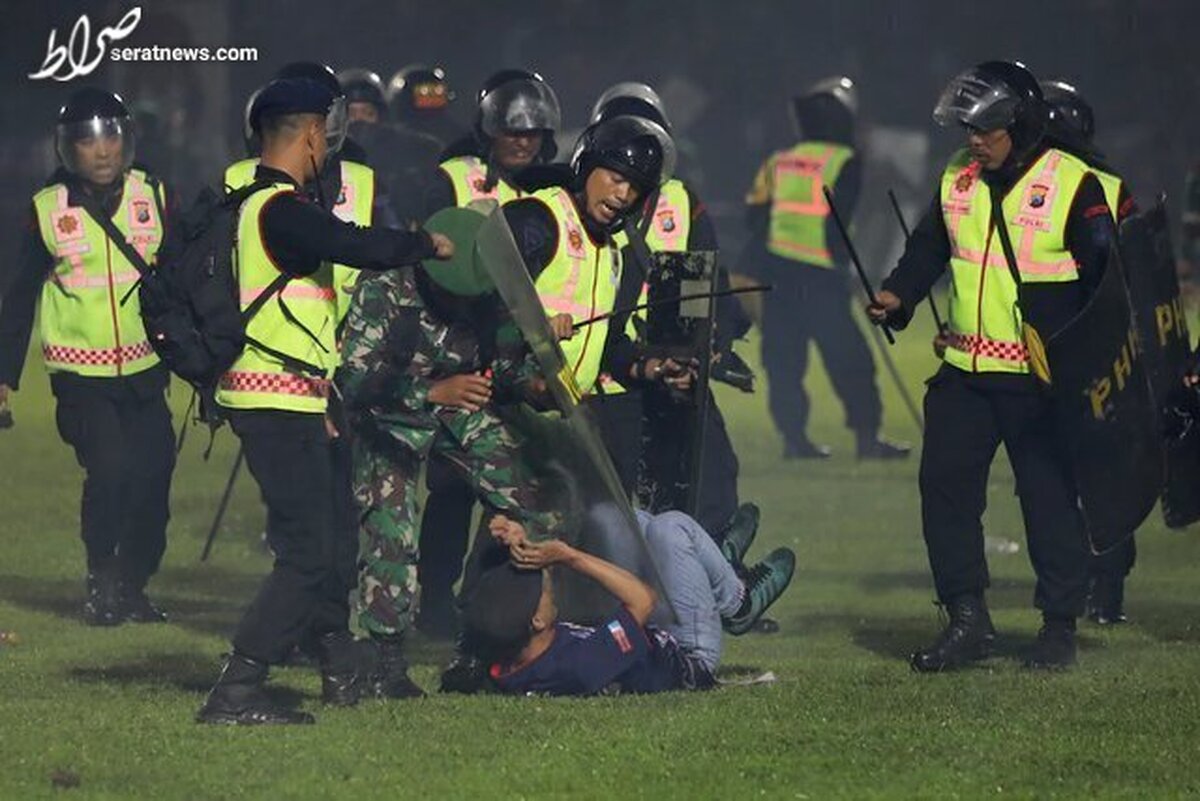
<point>111,710</point>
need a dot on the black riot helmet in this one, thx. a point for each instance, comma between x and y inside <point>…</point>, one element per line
<point>633,99</point>
<point>418,88</point>
<point>994,95</point>
<point>91,114</point>
<point>826,110</point>
<point>336,120</point>
<point>1069,110</point>
<point>518,101</point>
<point>638,149</point>
<point>363,86</point>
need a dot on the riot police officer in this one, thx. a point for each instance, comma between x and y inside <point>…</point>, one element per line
<point>107,382</point>
<point>565,233</point>
<point>514,128</point>
<point>985,393</point>
<point>276,396</point>
<point>517,117</point>
<point>799,253</point>
<point>672,218</point>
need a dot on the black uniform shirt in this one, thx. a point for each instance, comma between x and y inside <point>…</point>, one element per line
<point>299,235</point>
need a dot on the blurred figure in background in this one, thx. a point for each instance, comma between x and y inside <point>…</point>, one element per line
<point>404,159</point>
<point>801,254</point>
<point>420,98</point>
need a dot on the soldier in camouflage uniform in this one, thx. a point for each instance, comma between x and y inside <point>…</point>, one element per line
<point>421,366</point>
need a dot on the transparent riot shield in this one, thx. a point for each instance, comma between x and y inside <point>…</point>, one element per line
<point>576,477</point>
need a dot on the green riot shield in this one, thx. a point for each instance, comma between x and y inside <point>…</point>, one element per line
<point>1149,262</point>
<point>575,473</point>
<point>1106,413</point>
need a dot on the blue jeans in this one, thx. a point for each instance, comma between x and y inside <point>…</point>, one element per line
<point>700,586</point>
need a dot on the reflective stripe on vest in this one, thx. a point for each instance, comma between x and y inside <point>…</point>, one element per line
<point>985,323</point>
<point>257,380</point>
<point>84,327</point>
<point>798,207</point>
<point>1111,185</point>
<point>468,176</point>
<point>355,203</point>
<point>581,280</point>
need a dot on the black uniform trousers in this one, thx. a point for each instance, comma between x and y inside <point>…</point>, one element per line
<point>121,431</point>
<point>446,521</point>
<point>812,304</point>
<point>967,417</point>
<point>306,491</point>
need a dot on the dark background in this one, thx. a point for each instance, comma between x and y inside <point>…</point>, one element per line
<point>726,70</point>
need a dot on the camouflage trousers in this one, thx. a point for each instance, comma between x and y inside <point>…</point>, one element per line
<point>487,458</point>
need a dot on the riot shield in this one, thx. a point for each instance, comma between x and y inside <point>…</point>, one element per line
<point>1106,413</point>
<point>673,452</point>
<point>575,473</point>
<point>1158,313</point>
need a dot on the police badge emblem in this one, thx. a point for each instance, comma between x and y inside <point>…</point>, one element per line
<point>1037,195</point>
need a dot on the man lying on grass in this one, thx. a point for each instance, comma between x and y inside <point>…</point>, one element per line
<point>511,621</point>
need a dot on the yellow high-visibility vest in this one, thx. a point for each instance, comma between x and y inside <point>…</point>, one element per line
<point>85,328</point>
<point>795,180</point>
<point>468,176</point>
<point>985,324</point>
<point>258,380</point>
<point>581,280</point>
<point>355,203</point>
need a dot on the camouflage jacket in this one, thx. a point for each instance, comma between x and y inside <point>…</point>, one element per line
<point>394,348</point>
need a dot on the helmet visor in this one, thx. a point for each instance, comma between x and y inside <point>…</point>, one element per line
<point>98,149</point>
<point>519,106</point>
<point>978,102</point>
<point>336,123</point>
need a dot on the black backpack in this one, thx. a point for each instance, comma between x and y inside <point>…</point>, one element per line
<point>189,299</point>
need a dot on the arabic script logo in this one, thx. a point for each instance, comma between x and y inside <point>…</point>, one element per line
<point>77,57</point>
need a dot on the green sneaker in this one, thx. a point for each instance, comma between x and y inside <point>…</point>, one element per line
<point>739,534</point>
<point>765,582</point>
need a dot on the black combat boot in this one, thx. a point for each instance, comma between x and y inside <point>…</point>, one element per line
<point>805,449</point>
<point>968,637</point>
<point>873,446</point>
<point>339,668</point>
<point>389,677</point>
<point>238,697</point>
<point>1054,648</point>
<point>1106,600</point>
<point>466,673</point>
<point>103,605</point>
<point>135,607</point>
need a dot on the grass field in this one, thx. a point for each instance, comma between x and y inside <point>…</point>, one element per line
<point>93,713</point>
